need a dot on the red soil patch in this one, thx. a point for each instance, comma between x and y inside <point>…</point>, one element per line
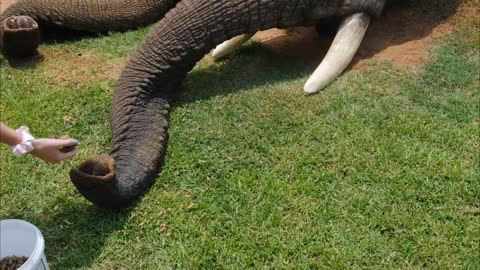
<point>4,4</point>
<point>67,67</point>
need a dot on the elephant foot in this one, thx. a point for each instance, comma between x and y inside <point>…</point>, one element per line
<point>19,36</point>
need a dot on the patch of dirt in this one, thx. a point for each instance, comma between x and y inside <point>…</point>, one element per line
<point>4,4</point>
<point>66,67</point>
<point>403,35</point>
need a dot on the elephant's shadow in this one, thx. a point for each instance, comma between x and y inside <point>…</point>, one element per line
<point>251,66</point>
<point>75,233</point>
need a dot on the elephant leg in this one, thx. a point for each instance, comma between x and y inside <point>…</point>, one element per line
<point>20,36</point>
<point>84,15</point>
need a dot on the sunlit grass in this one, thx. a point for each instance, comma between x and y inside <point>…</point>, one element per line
<point>379,171</point>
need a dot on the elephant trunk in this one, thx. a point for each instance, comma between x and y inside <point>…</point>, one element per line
<point>83,15</point>
<point>140,105</point>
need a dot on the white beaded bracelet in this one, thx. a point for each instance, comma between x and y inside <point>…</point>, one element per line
<point>26,145</point>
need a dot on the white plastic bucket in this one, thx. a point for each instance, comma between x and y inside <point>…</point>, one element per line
<point>20,238</point>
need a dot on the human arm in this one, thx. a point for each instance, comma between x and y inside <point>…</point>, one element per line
<point>48,150</point>
<point>9,135</point>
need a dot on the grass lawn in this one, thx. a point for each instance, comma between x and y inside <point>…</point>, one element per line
<point>379,171</point>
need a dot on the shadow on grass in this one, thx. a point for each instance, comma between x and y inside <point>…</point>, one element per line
<point>258,66</point>
<point>75,234</point>
<point>56,34</point>
<point>24,62</point>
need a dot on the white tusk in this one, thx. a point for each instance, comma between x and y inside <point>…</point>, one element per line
<point>226,48</point>
<point>341,53</point>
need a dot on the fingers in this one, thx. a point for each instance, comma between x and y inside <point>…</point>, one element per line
<point>63,142</point>
<point>55,142</point>
<point>58,156</point>
<point>66,151</point>
<point>67,155</point>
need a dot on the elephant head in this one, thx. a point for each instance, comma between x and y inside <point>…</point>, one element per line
<point>140,106</point>
<point>19,24</point>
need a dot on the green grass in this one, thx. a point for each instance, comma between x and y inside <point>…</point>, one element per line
<point>379,171</point>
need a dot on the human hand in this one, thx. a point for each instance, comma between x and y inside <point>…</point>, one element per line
<point>51,150</point>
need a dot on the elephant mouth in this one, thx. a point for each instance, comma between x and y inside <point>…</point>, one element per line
<point>19,36</point>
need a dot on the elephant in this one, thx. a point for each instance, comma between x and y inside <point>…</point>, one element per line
<point>141,103</point>
<point>20,23</point>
